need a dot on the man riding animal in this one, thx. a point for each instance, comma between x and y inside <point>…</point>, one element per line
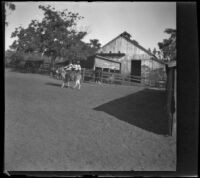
<point>71,72</point>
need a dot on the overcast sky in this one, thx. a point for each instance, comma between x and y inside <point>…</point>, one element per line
<point>145,21</point>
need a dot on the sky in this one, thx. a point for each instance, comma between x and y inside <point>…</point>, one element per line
<point>145,21</point>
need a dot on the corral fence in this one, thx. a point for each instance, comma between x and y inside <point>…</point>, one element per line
<point>88,75</point>
<point>120,79</point>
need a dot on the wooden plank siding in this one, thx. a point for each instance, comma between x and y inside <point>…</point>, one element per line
<point>103,63</point>
<point>132,51</point>
<point>124,46</point>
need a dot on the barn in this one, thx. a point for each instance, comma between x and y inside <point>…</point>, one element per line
<point>126,56</point>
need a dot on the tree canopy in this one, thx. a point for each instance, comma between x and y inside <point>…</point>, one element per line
<point>54,36</point>
<point>168,46</point>
<point>11,7</point>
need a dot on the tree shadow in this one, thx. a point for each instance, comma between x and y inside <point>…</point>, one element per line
<point>53,84</point>
<point>24,70</point>
<point>144,109</point>
<point>56,85</point>
<point>18,70</point>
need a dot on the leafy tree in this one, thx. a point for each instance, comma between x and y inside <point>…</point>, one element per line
<point>168,46</point>
<point>159,54</point>
<point>54,36</point>
<point>154,51</point>
<point>11,7</point>
<point>95,44</point>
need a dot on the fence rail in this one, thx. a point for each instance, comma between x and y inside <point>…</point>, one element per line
<point>116,78</point>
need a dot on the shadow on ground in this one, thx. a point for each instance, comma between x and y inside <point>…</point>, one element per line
<point>144,109</point>
<point>54,84</point>
<point>22,70</point>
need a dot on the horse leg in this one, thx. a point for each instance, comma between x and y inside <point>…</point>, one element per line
<point>75,85</point>
<point>68,84</point>
<point>79,85</point>
<point>63,84</point>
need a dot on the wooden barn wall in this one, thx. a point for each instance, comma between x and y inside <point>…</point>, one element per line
<point>106,64</point>
<point>125,66</point>
<point>124,46</point>
<point>131,53</point>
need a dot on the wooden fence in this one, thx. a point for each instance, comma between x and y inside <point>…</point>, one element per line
<point>116,78</point>
<point>44,68</point>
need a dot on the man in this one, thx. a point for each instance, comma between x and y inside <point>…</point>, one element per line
<point>98,75</point>
<point>77,66</point>
<point>69,67</point>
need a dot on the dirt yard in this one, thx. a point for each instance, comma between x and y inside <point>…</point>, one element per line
<point>97,128</point>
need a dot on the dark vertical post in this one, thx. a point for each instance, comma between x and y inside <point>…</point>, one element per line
<point>101,73</point>
<point>169,98</point>
<point>83,74</point>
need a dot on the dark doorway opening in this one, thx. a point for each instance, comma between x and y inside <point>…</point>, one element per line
<point>136,67</point>
<point>136,70</point>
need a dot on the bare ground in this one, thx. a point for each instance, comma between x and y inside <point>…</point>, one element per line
<point>97,128</point>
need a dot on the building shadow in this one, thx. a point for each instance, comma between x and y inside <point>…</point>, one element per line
<point>144,109</point>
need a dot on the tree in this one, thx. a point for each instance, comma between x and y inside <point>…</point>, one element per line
<point>154,51</point>
<point>95,44</point>
<point>55,36</point>
<point>168,46</point>
<point>11,7</point>
<point>149,50</point>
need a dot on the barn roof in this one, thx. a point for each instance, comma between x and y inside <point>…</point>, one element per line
<point>107,59</point>
<point>127,36</point>
<point>111,54</point>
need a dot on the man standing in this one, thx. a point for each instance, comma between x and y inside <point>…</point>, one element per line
<point>98,74</point>
<point>77,68</point>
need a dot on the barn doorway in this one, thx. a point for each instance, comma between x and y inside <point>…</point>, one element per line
<point>136,67</point>
<point>136,70</point>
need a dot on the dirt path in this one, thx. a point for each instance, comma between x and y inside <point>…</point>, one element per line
<point>99,128</point>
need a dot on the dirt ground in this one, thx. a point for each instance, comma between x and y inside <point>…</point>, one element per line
<point>97,128</point>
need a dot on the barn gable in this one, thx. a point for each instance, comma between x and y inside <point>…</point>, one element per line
<point>123,44</point>
<point>134,59</point>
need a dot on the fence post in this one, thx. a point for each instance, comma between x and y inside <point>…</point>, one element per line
<point>101,75</point>
<point>123,80</point>
<point>83,74</point>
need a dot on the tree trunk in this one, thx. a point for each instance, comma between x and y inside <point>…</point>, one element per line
<point>53,61</point>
